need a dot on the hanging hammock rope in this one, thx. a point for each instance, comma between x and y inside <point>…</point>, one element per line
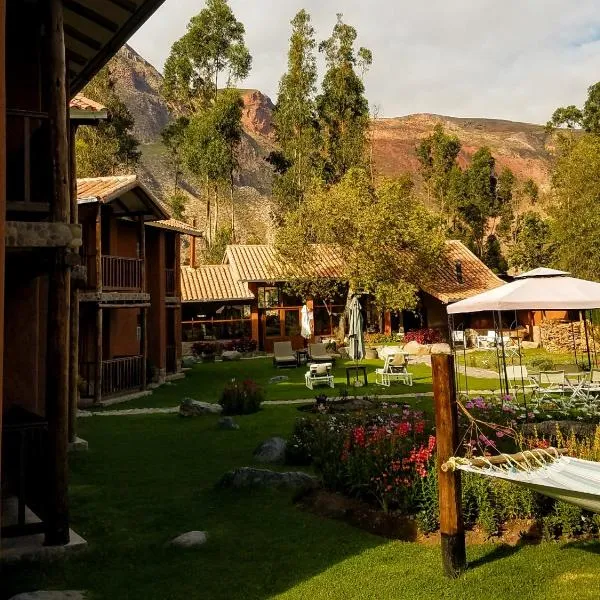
<point>547,471</point>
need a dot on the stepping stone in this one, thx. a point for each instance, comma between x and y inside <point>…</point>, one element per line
<point>52,595</point>
<point>228,423</point>
<point>191,539</point>
<point>279,379</point>
<point>248,477</point>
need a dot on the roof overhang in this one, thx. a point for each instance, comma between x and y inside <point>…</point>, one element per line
<point>95,30</point>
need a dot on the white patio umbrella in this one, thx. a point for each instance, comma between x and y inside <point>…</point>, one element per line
<point>540,289</point>
<point>306,318</point>
<point>355,332</point>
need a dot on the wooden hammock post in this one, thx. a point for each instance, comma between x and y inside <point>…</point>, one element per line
<point>452,530</point>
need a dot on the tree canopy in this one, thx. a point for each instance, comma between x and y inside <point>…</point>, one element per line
<point>109,148</point>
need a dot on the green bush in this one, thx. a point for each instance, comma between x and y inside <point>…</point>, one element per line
<point>241,398</point>
<point>541,364</point>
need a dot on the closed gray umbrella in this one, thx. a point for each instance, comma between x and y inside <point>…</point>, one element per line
<point>355,333</point>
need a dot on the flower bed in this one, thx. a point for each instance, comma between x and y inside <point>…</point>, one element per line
<point>387,460</point>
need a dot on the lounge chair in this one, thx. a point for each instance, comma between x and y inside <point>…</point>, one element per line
<point>318,354</point>
<point>520,379</point>
<point>394,369</point>
<point>284,355</point>
<point>318,374</point>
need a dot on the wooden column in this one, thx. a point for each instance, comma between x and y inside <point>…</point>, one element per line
<point>99,344</point>
<point>2,209</point>
<point>144,347</point>
<point>446,426</point>
<point>193,246</point>
<point>254,313</point>
<point>177,310</point>
<point>59,285</point>
<point>74,326</point>
<point>98,249</point>
<point>142,241</point>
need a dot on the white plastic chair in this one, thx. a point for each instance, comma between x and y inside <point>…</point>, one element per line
<point>519,379</point>
<point>394,369</point>
<point>319,374</point>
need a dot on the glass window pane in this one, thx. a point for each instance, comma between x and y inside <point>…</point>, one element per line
<point>292,322</point>
<point>272,323</point>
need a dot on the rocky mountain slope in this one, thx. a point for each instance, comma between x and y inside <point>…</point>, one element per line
<point>519,146</point>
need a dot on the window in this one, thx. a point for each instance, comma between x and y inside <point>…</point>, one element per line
<point>269,297</point>
<point>292,323</point>
<point>272,323</point>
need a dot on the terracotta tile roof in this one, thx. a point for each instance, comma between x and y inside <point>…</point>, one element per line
<point>81,103</point>
<point>260,263</point>
<point>444,282</point>
<point>210,283</point>
<point>179,226</point>
<point>107,189</point>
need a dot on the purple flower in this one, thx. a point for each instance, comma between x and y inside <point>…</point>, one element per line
<point>469,405</point>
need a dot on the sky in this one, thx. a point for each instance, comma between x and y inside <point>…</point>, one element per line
<point>504,59</point>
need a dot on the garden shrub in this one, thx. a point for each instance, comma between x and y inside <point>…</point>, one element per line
<point>241,398</point>
<point>540,363</point>
<point>206,348</point>
<point>244,346</point>
<point>379,339</point>
<point>423,336</point>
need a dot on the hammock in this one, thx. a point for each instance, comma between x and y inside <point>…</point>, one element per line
<point>564,478</point>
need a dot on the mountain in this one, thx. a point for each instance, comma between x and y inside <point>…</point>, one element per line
<point>519,146</point>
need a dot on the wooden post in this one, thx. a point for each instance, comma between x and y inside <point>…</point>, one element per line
<point>142,239</point>
<point>99,339</point>
<point>98,245</point>
<point>2,209</point>
<point>446,426</point>
<point>74,328</point>
<point>59,285</point>
<point>144,346</point>
<point>193,246</point>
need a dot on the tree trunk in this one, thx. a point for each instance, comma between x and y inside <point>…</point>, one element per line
<point>231,192</point>
<point>216,212</point>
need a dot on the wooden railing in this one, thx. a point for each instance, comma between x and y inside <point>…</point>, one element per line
<point>123,274</point>
<point>170,282</point>
<point>29,166</point>
<point>121,374</point>
<point>171,359</point>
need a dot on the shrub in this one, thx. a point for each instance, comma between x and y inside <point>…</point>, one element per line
<point>207,348</point>
<point>241,398</point>
<point>423,336</point>
<point>541,364</point>
<point>244,346</point>
<point>379,339</point>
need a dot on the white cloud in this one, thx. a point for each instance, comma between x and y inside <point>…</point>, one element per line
<point>509,59</point>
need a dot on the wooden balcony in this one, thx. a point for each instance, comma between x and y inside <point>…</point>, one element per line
<point>121,374</point>
<point>170,282</point>
<point>28,162</point>
<point>122,274</point>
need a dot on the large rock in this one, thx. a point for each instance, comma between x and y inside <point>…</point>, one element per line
<point>191,539</point>
<point>440,349</point>
<point>529,345</point>
<point>228,423</point>
<point>387,350</point>
<point>416,349</point>
<point>196,408</point>
<point>271,451</point>
<point>248,477</point>
<point>52,595</point>
<point>231,355</point>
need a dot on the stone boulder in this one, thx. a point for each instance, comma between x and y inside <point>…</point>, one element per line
<point>196,408</point>
<point>248,477</point>
<point>191,539</point>
<point>271,451</point>
<point>228,423</point>
<point>52,595</point>
<point>529,345</point>
<point>440,349</point>
<point>231,355</point>
<point>416,349</point>
<point>387,350</point>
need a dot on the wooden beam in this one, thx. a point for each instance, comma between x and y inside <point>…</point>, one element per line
<point>126,5</point>
<point>142,241</point>
<point>144,347</point>
<point>98,249</point>
<point>452,530</point>
<point>59,285</point>
<point>91,15</point>
<point>99,338</point>
<point>80,37</point>
<point>74,326</point>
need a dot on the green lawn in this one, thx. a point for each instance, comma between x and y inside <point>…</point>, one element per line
<point>206,381</point>
<point>146,479</point>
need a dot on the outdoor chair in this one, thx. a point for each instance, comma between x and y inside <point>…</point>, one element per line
<point>317,353</point>
<point>519,379</point>
<point>486,341</point>
<point>590,388</point>
<point>284,355</point>
<point>554,385</point>
<point>319,374</point>
<point>394,369</point>
<point>459,339</point>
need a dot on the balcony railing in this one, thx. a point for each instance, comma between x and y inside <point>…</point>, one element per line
<point>121,374</point>
<point>28,162</point>
<point>122,274</point>
<point>170,281</point>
